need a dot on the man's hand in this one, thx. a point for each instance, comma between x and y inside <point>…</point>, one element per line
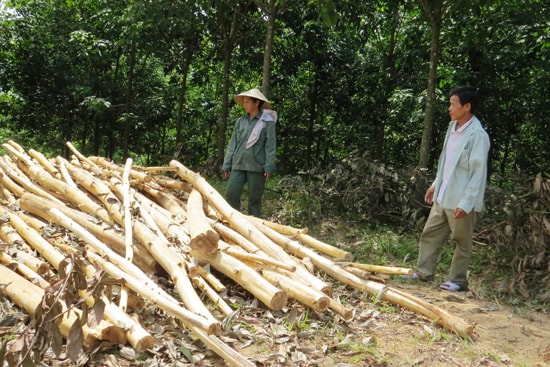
<point>429,196</point>
<point>459,213</point>
<point>226,174</point>
<point>267,175</point>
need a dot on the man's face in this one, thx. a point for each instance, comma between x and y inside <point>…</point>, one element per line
<point>457,111</point>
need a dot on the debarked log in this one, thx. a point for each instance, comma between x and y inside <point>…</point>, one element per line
<point>307,240</point>
<point>145,284</point>
<point>203,237</point>
<point>247,228</point>
<point>77,197</point>
<point>162,300</point>
<point>40,206</point>
<point>310,297</point>
<point>248,278</point>
<point>172,263</point>
<point>23,270</point>
<point>385,269</point>
<point>163,210</point>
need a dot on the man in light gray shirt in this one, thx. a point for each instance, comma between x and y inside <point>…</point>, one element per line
<point>457,192</point>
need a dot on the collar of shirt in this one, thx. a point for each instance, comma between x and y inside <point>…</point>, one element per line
<point>463,127</point>
<point>254,118</point>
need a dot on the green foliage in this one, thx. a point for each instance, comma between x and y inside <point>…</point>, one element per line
<point>146,79</point>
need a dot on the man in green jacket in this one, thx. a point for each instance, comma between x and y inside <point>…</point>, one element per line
<point>250,156</point>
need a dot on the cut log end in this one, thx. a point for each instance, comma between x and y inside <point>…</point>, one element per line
<point>321,304</point>
<point>114,334</point>
<point>204,243</point>
<point>214,328</point>
<point>147,342</point>
<point>327,289</point>
<point>345,312</point>
<point>278,301</point>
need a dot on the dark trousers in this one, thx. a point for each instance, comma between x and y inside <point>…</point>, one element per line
<point>256,185</point>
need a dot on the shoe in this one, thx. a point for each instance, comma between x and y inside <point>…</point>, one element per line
<point>415,276</point>
<point>410,277</point>
<point>450,286</point>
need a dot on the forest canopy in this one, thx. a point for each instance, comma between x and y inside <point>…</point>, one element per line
<point>154,80</point>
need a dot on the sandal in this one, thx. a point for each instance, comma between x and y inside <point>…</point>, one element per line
<point>450,286</point>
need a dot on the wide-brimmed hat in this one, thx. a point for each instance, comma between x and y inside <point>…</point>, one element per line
<point>253,93</point>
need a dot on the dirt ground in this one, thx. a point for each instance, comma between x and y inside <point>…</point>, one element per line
<point>383,335</point>
<point>503,336</point>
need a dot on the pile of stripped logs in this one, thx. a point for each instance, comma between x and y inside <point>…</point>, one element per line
<point>130,222</point>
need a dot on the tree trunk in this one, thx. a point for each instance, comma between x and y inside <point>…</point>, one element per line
<point>434,10</point>
<point>229,45</point>
<point>271,12</point>
<point>389,78</point>
<point>181,96</point>
<point>129,98</point>
<point>246,228</point>
<point>312,117</point>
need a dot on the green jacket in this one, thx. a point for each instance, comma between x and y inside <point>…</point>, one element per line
<point>258,158</point>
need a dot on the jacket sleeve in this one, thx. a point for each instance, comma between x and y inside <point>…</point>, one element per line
<point>270,147</point>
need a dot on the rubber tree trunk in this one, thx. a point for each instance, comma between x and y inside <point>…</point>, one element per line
<point>228,50</point>
<point>271,12</point>
<point>434,10</point>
